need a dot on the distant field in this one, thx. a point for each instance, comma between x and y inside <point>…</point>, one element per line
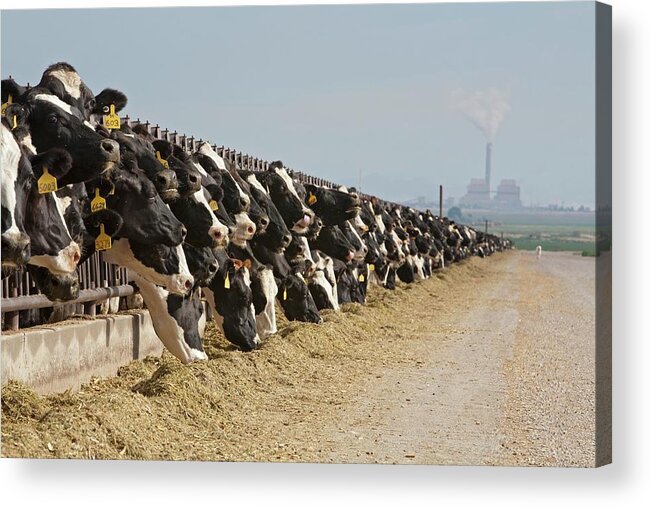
<point>553,231</point>
<point>556,245</point>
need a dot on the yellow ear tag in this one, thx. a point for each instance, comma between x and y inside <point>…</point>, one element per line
<point>361,278</point>
<point>98,203</point>
<point>5,105</point>
<point>227,282</point>
<point>213,205</point>
<point>15,123</point>
<point>162,160</point>
<point>371,267</point>
<point>285,294</point>
<point>112,120</point>
<point>311,199</point>
<point>47,183</point>
<point>103,241</point>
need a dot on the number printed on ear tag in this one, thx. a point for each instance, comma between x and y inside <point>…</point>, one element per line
<point>162,160</point>
<point>47,183</point>
<point>112,120</point>
<point>103,240</point>
<point>227,282</point>
<point>98,203</point>
<point>213,205</point>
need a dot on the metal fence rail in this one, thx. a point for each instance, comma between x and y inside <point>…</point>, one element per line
<point>99,280</point>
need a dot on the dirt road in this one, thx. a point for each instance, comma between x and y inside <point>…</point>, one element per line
<point>489,362</point>
<point>508,379</point>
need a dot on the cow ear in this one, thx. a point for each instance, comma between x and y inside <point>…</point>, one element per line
<point>141,130</point>
<point>105,187</point>
<point>112,222</point>
<point>107,97</point>
<point>247,264</point>
<point>57,161</point>
<point>10,87</point>
<point>165,148</point>
<point>16,116</point>
<point>237,264</point>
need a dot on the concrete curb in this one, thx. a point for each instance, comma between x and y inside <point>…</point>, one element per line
<point>54,359</point>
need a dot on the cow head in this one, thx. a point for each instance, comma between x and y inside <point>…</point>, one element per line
<point>62,80</point>
<point>57,287</point>
<point>276,236</point>
<point>147,219</point>
<point>138,143</point>
<point>296,299</point>
<point>202,264</point>
<point>281,189</point>
<point>204,229</point>
<point>333,242</point>
<point>333,206</point>
<point>55,124</point>
<point>233,301</point>
<point>189,179</point>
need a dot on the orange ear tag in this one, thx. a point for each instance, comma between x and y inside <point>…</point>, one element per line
<point>311,199</point>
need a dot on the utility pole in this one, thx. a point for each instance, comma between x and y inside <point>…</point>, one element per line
<point>441,201</point>
<point>486,227</point>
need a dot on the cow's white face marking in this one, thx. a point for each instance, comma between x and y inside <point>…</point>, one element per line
<point>320,279</point>
<point>63,262</point>
<point>70,81</point>
<point>253,181</point>
<point>64,202</point>
<point>359,225</point>
<point>244,229</point>
<point>26,143</point>
<point>361,253</point>
<point>265,322</point>
<point>199,168</point>
<point>280,171</point>
<point>167,328</point>
<point>9,158</point>
<point>205,149</point>
<point>122,254</point>
<point>200,198</point>
<point>305,247</point>
<point>53,99</point>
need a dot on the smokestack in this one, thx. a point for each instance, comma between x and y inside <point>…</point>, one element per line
<point>489,166</point>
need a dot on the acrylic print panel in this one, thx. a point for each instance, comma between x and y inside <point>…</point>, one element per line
<point>338,234</point>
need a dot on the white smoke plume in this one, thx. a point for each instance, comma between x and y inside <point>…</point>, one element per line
<point>486,109</point>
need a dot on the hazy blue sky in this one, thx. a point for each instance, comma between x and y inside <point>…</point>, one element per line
<point>334,89</point>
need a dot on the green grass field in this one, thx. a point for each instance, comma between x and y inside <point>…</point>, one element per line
<point>553,231</point>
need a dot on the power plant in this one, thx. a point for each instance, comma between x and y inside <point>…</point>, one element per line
<point>479,193</point>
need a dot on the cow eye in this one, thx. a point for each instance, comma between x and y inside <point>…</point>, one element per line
<point>53,119</point>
